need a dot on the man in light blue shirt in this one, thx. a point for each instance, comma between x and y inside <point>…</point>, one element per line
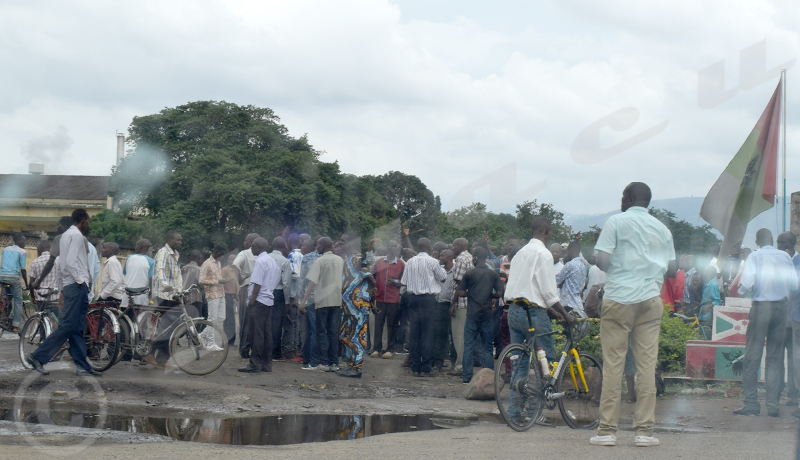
<point>769,274</point>
<point>635,249</point>
<point>73,268</point>
<point>12,268</point>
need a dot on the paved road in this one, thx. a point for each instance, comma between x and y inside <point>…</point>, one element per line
<point>711,429</point>
<point>480,441</point>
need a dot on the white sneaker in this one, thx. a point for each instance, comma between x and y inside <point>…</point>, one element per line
<point>318,367</point>
<point>214,347</point>
<point>645,441</point>
<point>607,440</point>
<point>332,368</point>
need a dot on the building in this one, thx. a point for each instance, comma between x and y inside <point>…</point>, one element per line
<point>32,203</point>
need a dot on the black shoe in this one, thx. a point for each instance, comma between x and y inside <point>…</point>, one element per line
<point>425,374</point>
<point>37,366</point>
<point>88,372</point>
<point>250,369</point>
<point>416,374</point>
<point>266,369</point>
<point>349,372</point>
<point>747,411</point>
<point>244,354</point>
<point>774,413</point>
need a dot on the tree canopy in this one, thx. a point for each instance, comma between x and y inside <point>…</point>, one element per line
<point>215,171</point>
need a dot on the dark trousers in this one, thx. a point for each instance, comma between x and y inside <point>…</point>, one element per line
<point>70,327</point>
<point>767,321</point>
<point>390,314</point>
<point>260,332</point>
<point>478,326</point>
<point>497,339</point>
<point>309,333</point>
<point>789,369</point>
<point>244,340</point>
<point>442,332</point>
<point>422,321</point>
<point>402,325</point>
<point>229,325</point>
<point>278,314</point>
<point>328,321</point>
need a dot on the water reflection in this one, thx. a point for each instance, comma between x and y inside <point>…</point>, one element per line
<point>274,430</point>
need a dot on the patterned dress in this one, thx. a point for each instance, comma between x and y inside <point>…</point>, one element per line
<point>355,300</point>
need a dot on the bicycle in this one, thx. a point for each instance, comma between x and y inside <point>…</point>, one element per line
<point>692,320</point>
<point>186,345</point>
<point>40,325</point>
<point>574,382</point>
<point>102,333</point>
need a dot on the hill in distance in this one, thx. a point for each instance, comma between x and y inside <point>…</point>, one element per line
<point>688,209</point>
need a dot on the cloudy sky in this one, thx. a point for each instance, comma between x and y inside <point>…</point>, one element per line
<point>497,102</point>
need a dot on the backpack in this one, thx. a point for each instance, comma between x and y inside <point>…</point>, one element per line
<point>593,300</point>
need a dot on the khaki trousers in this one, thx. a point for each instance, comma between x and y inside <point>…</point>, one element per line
<point>642,322</point>
<point>457,323</point>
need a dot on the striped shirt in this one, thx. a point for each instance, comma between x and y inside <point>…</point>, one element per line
<point>166,272</point>
<point>423,275</point>
<point>461,266</point>
<point>49,281</point>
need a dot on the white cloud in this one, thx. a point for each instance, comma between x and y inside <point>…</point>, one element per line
<point>381,86</point>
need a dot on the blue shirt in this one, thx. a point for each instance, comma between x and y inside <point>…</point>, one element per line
<point>305,266</point>
<point>711,293</point>
<point>769,274</point>
<point>641,249</point>
<point>795,312</point>
<point>573,276</point>
<point>14,259</point>
<point>265,274</point>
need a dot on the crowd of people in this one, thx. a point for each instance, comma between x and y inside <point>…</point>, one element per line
<point>450,307</point>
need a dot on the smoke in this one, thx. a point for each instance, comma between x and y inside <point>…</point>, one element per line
<point>139,173</point>
<point>50,150</point>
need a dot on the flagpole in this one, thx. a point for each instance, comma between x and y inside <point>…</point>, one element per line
<point>783,142</point>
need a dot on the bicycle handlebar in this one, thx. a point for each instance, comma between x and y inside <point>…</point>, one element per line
<point>184,292</point>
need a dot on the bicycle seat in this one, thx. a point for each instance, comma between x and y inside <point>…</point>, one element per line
<point>137,291</point>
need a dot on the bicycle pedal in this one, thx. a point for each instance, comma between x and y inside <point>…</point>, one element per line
<point>556,395</point>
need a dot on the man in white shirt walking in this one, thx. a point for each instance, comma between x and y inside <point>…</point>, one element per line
<point>73,268</point>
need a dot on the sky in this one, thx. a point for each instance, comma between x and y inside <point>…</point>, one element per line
<point>499,102</point>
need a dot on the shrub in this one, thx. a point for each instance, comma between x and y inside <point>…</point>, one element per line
<point>672,343</point>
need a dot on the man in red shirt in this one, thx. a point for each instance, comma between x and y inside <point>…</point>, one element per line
<point>387,271</point>
<point>673,288</point>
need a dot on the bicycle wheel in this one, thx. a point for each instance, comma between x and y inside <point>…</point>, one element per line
<point>102,342</point>
<point>31,336</point>
<point>189,352</point>
<point>517,387</point>
<point>579,407</point>
<point>125,337</point>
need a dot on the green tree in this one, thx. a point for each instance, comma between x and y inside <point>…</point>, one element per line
<point>229,170</point>
<point>687,238</point>
<point>529,210</point>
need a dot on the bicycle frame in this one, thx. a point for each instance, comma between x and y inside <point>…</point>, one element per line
<point>566,351</point>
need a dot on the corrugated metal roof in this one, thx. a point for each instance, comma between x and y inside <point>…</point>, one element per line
<point>32,186</point>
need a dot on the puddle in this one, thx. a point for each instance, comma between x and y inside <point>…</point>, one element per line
<point>273,430</point>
